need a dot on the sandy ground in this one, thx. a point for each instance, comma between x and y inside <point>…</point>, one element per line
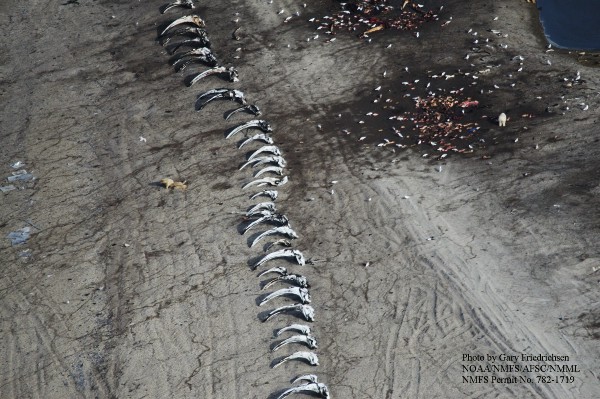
<point>125,290</point>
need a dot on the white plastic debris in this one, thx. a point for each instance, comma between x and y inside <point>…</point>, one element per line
<point>19,236</point>
<point>8,188</point>
<point>20,175</point>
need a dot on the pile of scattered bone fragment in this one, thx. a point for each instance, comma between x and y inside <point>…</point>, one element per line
<point>187,41</point>
<point>368,16</point>
<point>438,120</point>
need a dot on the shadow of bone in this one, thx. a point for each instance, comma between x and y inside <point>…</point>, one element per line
<point>169,146</point>
<point>277,361</point>
<point>293,314</point>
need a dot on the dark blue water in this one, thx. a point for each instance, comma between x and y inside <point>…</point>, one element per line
<point>571,24</point>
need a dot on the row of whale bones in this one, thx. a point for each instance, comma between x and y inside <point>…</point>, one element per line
<point>237,95</point>
<point>311,384</point>
<point>275,161</point>
<point>266,212</point>
<point>200,53</point>
<point>234,95</point>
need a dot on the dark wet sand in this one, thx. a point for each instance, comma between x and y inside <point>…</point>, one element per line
<point>135,292</point>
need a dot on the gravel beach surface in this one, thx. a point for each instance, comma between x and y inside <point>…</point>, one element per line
<point>430,266</point>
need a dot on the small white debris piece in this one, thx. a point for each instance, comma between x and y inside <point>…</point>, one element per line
<point>280,11</point>
<point>17,165</point>
<point>378,88</point>
<point>495,18</point>
<point>20,175</point>
<point>362,138</point>
<point>19,236</point>
<point>8,188</point>
<point>334,182</point>
<point>367,264</point>
<point>142,139</point>
<point>126,245</point>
